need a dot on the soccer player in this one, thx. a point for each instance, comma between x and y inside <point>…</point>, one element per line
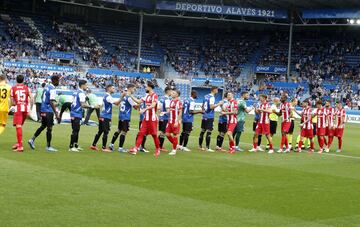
<point>222,125</point>
<point>150,122</point>
<point>126,106</point>
<point>231,114</point>
<point>306,126</point>
<point>255,123</point>
<point>164,116</point>
<point>263,126</point>
<point>330,125</point>
<point>76,114</point>
<point>174,123</point>
<point>188,119</point>
<point>21,98</point>
<point>4,102</point>
<point>48,109</point>
<point>105,119</point>
<point>207,122</point>
<point>38,101</point>
<point>286,113</point>
<point>142,116</point>
<point>241,114</point>
<point>274,117</point>
<point>320,112</point>
<point>294,103</point>
<point>339,124</point>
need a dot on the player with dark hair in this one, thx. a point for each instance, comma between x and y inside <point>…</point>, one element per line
<point>293,104</point>
<point>105,119</point>
<point>174,123</point>
<point>263,126</point>
<point>306,126</point>
<point>164,116</point>
<point>142,148</point>
<point>76,114</point>
<point>340,116</point>
<point>320,112</point>
<point>231,114</point>
<point>150,122</point>
<point>286,113</point>
<point>188,119</point>
<point>48,109</point>
<point>241,114</point>
<point>125,108</point>
<point>222,123</point>
<point>207,122</point>
<point>22,100</point>
<point>4,102</point>
<point>330,124</point>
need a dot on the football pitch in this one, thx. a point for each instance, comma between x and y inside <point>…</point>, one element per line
<point>191,189</point>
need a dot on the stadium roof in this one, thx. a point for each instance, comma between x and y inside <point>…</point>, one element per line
<point>283,4</point>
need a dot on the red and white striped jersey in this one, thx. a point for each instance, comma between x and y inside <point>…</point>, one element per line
<point>175,107</point>
<point>232,107</point>
<point>150,115</point>
<point>306,118</point>
<point>285,109</point>
<point>321,118</point>
<point>264,116</point>
<point>20,95</point>
<point>330,116</point>
<point>340,114</point>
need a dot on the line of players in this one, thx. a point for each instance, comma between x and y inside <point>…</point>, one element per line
<point>174,114</point>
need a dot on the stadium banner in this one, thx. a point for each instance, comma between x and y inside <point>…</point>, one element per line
<point>221,10</point>
<point>109,72</point>
<point>114,1</point>
<point>271,69</point>
<point>331,13</point>
<point>207,82</point>
<point>149,62</point>
<point>60,55</point>
<point>40,66</point>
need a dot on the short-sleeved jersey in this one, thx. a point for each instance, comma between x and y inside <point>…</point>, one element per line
<point>340,114</point>
<point>76,108</point>
<point>189,105</point>
<point>165,103</point>
<point>208,112</point>
<point>330,113</point>
<point>126,106</point>
<point>264,116</point>
<point>224,118</point>
<point>107,106</point>
<point>4,97</point>
<point>306,117</point>
<point>285,110</point>
<point>48,96</point>
<point>232,106</point>
<point>174,111</point>
<point>149,99</point>
<point>142,115</point>
<point>321,118</point>
<point>241,110</point>
<point>20,95</point>
<point>93,99</point>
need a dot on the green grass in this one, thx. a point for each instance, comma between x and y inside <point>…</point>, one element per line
<point>191,189</point>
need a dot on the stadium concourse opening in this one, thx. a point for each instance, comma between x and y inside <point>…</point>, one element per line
<point>252,109</point>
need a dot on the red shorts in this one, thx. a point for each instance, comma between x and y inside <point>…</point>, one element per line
<point>262,129</point>
<point>285,127</point>
<point>170,128</point>
<point>307,133</point>
<point>231,127</point>
<point>149,127</point>
<point>321,131</point>
<point>19,118</point>
<point>339,132</point>
<point>330,132</point>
